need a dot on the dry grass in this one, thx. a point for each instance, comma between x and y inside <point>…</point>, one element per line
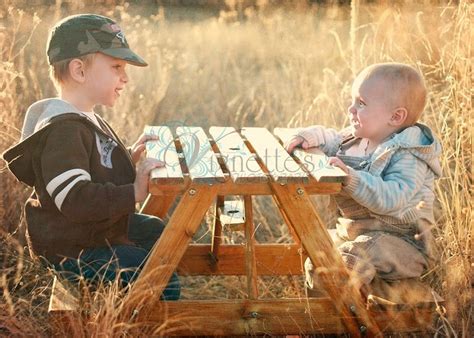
<point>274,68</point>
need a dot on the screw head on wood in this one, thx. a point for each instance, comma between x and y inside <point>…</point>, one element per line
<point>300,191</point>
<point>363,329</point>
<point>192,192</point>
<point>254,314</point>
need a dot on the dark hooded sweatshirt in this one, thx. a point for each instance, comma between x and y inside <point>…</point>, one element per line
<point>82,177</point>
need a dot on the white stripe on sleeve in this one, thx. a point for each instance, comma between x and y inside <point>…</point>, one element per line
<point>61,178</point>
<point>62,195</point>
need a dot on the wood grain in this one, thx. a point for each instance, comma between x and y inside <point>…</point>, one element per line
<point>313,159</point>
<point>281,167</point>
<point>200,159</point>
<point>239,160</point>
<point>164,150</point>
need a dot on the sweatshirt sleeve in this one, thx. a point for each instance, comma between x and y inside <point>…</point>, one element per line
<point>326,139</point>
<point>66,173</point>
<point>391,193</point>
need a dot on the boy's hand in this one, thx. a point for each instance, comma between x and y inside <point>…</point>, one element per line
<point>139,146</point>
<point>296,141</point>
<point>143,176</point>
<point>336,162</point>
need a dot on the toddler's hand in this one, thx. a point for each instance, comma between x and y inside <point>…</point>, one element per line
<point>143,176</point>
<point>139,146</point>
<point>294,142</point>
<point>336,162</point>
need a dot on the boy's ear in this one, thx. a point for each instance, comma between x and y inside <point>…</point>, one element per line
<point>77,70</point>
<point>399,116</point>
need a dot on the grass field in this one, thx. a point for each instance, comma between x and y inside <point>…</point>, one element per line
<point>267,66</point>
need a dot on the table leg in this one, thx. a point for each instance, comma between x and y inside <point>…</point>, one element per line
<point>295,203</point>
<point>157,205</point>
<point>171,246</point>
<point>216,230</point>
<point>250,262</point>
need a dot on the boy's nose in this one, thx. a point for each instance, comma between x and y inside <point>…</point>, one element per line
<point>124,77</point>
<point>351,109</point>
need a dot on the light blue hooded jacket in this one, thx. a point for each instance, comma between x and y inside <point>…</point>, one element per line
<point>396,185</point>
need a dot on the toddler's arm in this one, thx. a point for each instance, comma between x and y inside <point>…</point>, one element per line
<point>315,136</point>
<point>390,193</point>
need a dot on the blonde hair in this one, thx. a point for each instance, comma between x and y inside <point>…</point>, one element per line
<point>406,85</point>
<point>59,71</point>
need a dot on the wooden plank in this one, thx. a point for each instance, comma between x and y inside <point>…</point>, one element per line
<point>240,162</point>
<point>200,158</point>
<point>280,165</point>
<point>247,317</point>
<point>164,150</point>
<point>169,249</point>
<point>269,317</point>
<point>250,260</point>
<point>313,159</point>
<point>294,235</point>
<point>157,205</point>
<point>315,239</point>
<point>61,299</point>
<point>64,310</point>
<point>270,260</point>
<point>229,188</point>
<point>216,230</point>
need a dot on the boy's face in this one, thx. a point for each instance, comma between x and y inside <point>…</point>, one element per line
<point>105,77</point>
<point>371,111</point>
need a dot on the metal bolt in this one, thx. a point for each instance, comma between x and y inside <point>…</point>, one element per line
<point>352,308</point>
<point>300,191</point>
<point>362,329</point>
<point>254,314</point>
<point>192,192</point>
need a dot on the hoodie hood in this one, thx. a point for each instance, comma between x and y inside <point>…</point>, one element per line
<point>41,112</point>
<point>38,117</point>
<point>420,141</point>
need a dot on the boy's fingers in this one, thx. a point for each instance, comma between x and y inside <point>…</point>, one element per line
<point>336,162</point>
<point>155,164</point>
<point>147,138</point>
<point>291,145</point>
<point>148,165</point>
<point>140,148</point>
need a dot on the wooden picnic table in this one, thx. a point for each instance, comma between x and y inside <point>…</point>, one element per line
<point>205,168</point>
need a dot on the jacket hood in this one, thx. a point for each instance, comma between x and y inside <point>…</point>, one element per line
<point>422,143</point>
<point>41,112</point>
<point>38,117</point>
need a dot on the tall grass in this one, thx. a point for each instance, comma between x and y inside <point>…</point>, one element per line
<point>273,67</point>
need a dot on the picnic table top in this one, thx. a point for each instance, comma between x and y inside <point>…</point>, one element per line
<point>248,157</point>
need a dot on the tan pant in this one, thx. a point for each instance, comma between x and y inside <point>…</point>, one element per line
<point>374,253</point>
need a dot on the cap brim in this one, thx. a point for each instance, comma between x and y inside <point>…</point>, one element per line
<point>125,54</point>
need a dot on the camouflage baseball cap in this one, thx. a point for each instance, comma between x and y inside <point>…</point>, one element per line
<point>83,34</point>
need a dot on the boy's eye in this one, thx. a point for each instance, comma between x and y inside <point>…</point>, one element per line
<point>361,104</point>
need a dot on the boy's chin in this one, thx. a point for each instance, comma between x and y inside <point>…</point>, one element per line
<point>109,104</point>
<point>354,131</point>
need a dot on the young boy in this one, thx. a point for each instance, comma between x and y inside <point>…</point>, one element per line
<point>386,204</point>
<point>81,216</point>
